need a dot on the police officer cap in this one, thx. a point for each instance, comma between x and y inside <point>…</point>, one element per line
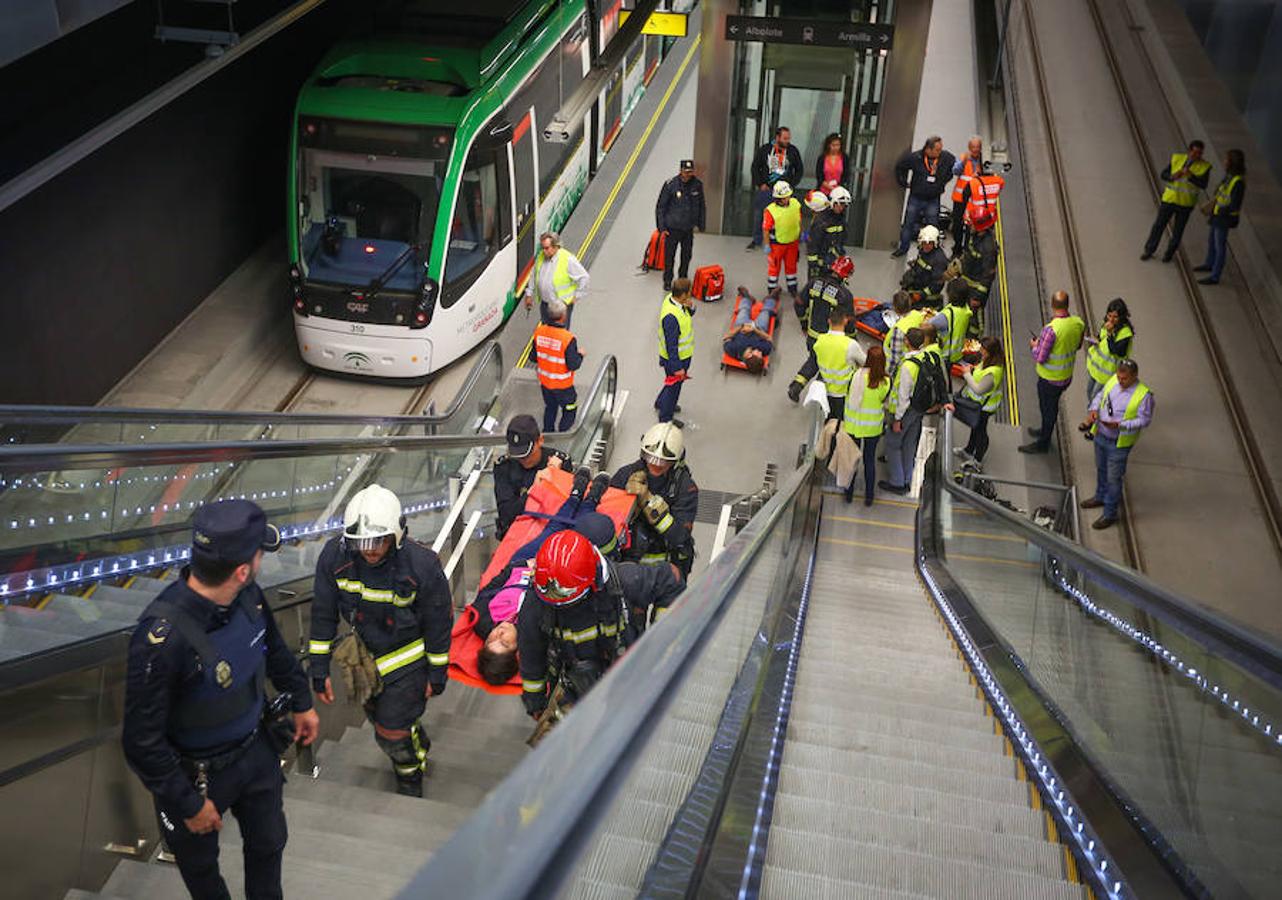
<point>522,432</point>
<point>233,531</point>
<point>687,165</point>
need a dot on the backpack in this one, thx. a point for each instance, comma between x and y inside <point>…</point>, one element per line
<point>930,389</point>
<point>709,282</point>
<point>653,257</point>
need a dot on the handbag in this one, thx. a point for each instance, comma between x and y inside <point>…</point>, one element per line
<point>967,410</point>
<point>278,722</point>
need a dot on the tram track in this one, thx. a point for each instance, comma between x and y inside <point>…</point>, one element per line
<point>1244,436</point>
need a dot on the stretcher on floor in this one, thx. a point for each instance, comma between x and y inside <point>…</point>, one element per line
<point>873,321</point>
<point>541,504</point>
<point>728,361</point>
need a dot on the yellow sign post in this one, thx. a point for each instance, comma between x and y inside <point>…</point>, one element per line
<point>666,24</point>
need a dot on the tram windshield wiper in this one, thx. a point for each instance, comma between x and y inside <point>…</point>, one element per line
<point>377,284</point>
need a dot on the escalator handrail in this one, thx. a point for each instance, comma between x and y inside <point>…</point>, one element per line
<point>1214,632</point>
<point>571,774</point>
<point>17,414</point>
<point>31,458</point>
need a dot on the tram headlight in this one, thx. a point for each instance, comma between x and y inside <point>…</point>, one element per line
<point>423,306</point>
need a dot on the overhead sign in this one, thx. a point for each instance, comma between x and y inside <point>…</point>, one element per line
<point>816,32</point>
<point>665,24</point>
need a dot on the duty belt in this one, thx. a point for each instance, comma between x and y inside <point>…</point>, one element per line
<point>198,766</point>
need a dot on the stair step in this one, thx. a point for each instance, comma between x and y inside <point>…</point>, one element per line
<point>881,868</point>
<point>455,784</point>
<point>310,830</point>
<point>379,803</point>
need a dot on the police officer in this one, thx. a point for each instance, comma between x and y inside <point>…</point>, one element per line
<point>514,474</point>
<point>393,594</point>
<point>676,347</point>
<point>925,273</point>
<point>667,500</point>
<point>680,210</point>
<point>829,360</point>
<point>194,701</point>
<point>827,234</point>
<point>579,627</point>
<point>825,292</point>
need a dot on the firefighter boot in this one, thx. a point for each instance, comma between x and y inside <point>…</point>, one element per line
<point>409,759</point>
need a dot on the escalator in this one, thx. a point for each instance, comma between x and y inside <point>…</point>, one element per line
<point>932,699</point>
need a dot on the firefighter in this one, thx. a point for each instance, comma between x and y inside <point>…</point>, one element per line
<point>393,595</point>
<point>979,259</point>
<point>924,276</point>
<point>827,235</point>
<point>824,293</point>
<point>577,629</point>
<point>667,500</point>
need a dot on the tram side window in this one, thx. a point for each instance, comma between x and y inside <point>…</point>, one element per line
<point>475,231</point>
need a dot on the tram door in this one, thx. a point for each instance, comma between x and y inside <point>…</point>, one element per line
<point>526,180</point>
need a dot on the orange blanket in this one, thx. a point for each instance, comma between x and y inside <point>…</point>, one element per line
<point>544,499</point>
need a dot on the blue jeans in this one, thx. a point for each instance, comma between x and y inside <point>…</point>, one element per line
<point>762,321</point>
<point>1110,469</point>
<point>918,213</point>
<point>869,447</point>
<point>1217,250</point>
<point>901,448</point>
<point>760,200</point>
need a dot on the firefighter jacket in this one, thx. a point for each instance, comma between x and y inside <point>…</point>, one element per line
<point>818,299</point>
<point>926,273</point>
<point>979,262</point>
<point>555,641</point>
<point>827,238</point>
<point>400,608</point>
<point>675,542</point>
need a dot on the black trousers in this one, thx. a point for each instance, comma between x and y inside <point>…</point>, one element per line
<point>675,239</point>
<point>562,400</point>
<point>958,226</point>
<point>401,702</point>
<point>251,789</point>
<point>1167,212</point>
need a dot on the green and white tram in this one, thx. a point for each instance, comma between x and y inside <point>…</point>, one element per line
<point>419,180</point>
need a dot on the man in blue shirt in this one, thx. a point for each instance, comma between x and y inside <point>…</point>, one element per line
<point>748,339</point>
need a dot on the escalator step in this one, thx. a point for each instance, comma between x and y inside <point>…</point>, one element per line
<point>844,726</point>
<point>856,747</point>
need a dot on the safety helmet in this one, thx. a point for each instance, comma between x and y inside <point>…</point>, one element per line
<point>782,190</point>
<point>843,266</point>
<point>663,443</point>
<point>929,234</point>
<point>371,515</point>
<point>839,195</point>
<point>985,219</point>
<point>565,569</point>
<point>817,201</point>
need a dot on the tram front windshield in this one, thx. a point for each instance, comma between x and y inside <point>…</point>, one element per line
<point>366,217</point>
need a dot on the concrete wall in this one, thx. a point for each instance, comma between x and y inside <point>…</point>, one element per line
<point>103,261</point>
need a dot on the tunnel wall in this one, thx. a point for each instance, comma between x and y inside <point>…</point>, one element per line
<point>103,261</point>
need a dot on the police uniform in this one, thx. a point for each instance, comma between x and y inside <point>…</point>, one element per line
<point>512,481</point>
<point>818,299</point>
<point>194,698</point>
<point>400,609</point>
<point>679,211</point>
<point>674,542</point>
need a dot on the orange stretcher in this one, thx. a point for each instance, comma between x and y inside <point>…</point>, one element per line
<point>728,361</point>
<point>545,498</point>
<point>865,305</point>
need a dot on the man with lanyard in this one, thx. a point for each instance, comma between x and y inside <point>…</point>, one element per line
<point>557,273</point>
<point>925,174</point>
<point>393,594</point>
<point>776,161</point>
<point>825,292</point>
<point>828,359</point>
<point>1118,413</point>
<point>965,170</point>
<point>679,211</point>
<point>1053,352</point>
<point>557,357</point>
<point>514,474</point>
<point>1185,177</point>
<point>667,500</point>
<point>676,347</point>
<point>194,700</point>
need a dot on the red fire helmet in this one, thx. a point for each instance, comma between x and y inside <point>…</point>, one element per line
<point>565,568</point>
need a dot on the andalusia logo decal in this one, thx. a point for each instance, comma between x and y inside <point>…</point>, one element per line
<point>358,361</point>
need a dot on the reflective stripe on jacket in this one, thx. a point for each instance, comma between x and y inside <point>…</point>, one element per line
<point>990,401</point>
<point>783,223</point>
<point>969,170</point>
<point>1224,196</point>
<point>830,354</point>
<point>958,324</point>
<point>685,326</point>
<point>1184,192</point>
<point>1125,439</point>
<point>984,191</point>
<point>1068,339</point>
<point>1100,361</point>
<point>550,343</point>
<point>562,283</point>
<point>868,419</point>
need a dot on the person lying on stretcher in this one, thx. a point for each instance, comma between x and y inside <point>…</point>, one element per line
<point>748,339</point>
